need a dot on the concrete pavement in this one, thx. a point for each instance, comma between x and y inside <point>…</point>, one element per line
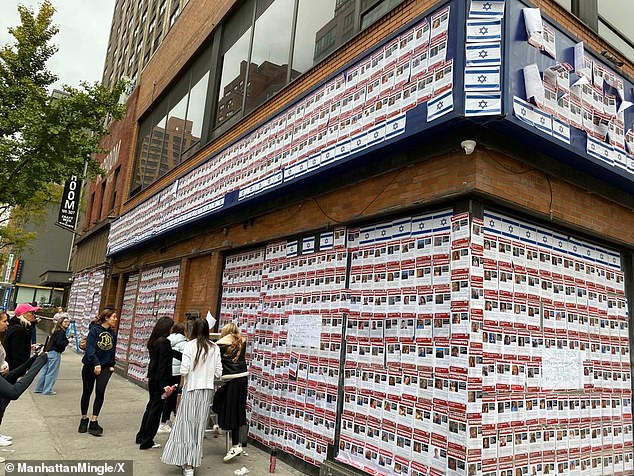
<point>45,427</point>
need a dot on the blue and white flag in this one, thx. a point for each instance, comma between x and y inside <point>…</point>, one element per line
<point>482,79</point>
<point>395,126</point>
<point>543,121</point>
<point>483,54</point>
<point>291,249</point>
<point>599,150</point>
<point>483,104</point>
<point>486,8</point>
<point>561,130</point>
<point>326,240</point>
<point>308,245</point>
<point>523,110</point>
<point>479,30</point>
<point>440,106</point>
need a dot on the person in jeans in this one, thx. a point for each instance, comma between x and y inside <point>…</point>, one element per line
<point>98,367</point>
<point>159,375</point>
<point>232,401</point>
<point>200,367</point>
<point>57,344</point>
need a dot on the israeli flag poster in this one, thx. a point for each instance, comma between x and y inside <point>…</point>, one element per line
<point>482,79</point>
<point>440,106</point>
<point>483,104</point>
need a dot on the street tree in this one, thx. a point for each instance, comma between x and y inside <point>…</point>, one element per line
<point>44,138</point>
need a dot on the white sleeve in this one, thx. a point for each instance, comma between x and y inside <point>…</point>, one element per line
<point>218,369</point>
<point>186,363</point>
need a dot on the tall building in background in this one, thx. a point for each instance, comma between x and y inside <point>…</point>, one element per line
<point>138,28</point>
<point>419,212</point>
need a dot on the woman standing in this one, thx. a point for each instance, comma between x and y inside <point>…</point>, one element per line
<point>200,366</point>
<point>159,376</point>
<point>17,340</point>
<point>177,341</point>
<point>57,345</point>
<point>232,407</point>
<point>98,367</point>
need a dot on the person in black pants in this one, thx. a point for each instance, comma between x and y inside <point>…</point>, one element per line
<point>159,376</point>
<point>98,367</point>
<point>231,401</point>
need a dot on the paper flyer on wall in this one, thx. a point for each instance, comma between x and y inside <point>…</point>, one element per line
<point>486,8</point>
<point>482,79</point>
<point>533,85</point>
<point>440,106</point>
<point>484,30</point>
<point>483,103</point>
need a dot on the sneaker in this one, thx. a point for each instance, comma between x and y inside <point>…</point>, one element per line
<point>4,442</point>
<point>164,428</point>
<point>153,445</point>
<point>83,425</point>
<point>50,393</point>
<point>188,471</point>
<point>6,437</point>
<point>232,453</point>
<point>2,459</point>
<point>94,429</point>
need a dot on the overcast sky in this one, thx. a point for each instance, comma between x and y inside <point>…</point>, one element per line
<point>84,28</point>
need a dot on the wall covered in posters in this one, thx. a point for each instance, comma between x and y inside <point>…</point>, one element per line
<point>85,298</point>
<point>398,89</point>
<point>147,297</point>
<point>568,94</point>
<point>455,345</point>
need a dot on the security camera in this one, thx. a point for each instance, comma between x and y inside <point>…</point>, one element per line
<point>468,146</point>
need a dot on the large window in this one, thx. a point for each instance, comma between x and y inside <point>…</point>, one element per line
<point>615,27</point>
<point>268,67</point>
<point>173,130</point>
<point>253,54</point>
<point>316,33</point>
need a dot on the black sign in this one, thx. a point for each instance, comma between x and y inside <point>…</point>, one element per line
<point>69,208</point>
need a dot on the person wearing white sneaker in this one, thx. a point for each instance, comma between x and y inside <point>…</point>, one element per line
<point>230,401</point>
<point>232,453</point>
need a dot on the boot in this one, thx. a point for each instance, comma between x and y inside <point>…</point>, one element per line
<point>83,425</point>
<point>94,428</point>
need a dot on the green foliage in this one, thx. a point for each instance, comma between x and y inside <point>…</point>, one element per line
<point>44,139</point>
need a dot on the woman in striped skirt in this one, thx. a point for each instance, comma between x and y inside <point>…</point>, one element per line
<point>200,366</point>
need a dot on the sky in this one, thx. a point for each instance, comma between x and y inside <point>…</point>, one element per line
<point>84,28</point>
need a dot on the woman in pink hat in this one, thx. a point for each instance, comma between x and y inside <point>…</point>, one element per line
<point>17,340</point>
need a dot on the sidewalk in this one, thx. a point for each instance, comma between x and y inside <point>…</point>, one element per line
<point>45,427</point>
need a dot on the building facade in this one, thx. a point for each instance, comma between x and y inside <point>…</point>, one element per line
<point>419,212</point>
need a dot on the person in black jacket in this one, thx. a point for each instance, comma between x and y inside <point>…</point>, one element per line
<point>56,345</point>
<point>98,367</point>
<point>17,340</point>
<point>159,375</point>
<point>231,401</point>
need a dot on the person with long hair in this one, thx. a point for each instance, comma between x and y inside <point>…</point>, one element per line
<point>232,402</point>
<point>98,367</point>
<point>177,341</point>
<point>200,367</point>
<point>158,375</point>
<point>56,346</point>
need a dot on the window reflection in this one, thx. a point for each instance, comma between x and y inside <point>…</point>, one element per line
<point>268,68</point>
<point>236,38</point>
<point>312,17</point>
<point>195,114</point>
<point>337,31</point>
